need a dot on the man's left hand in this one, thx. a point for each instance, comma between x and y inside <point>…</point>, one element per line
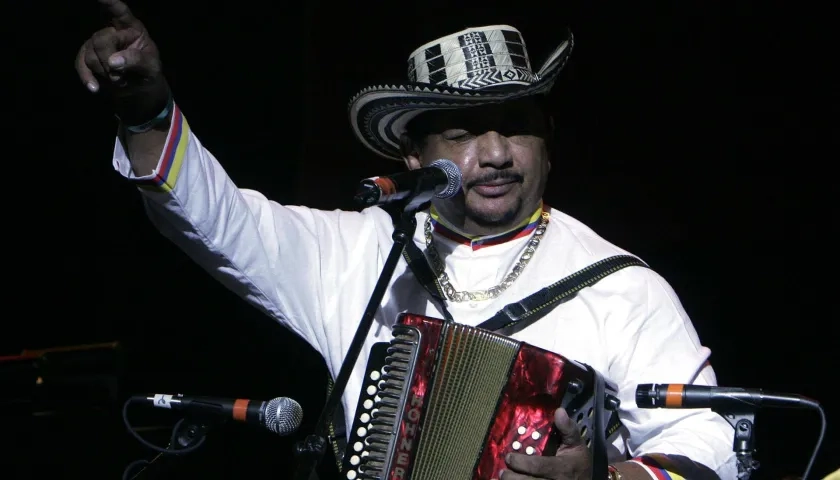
<point>571,462</point>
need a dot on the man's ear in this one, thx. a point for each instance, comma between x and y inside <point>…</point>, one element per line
<point>410,152</point>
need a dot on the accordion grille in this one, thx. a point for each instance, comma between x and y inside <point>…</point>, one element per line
<point>472,371</point>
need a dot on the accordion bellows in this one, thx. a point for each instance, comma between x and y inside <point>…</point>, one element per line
<point>447,401</point>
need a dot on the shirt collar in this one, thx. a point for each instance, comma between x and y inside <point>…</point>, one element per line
<point>476,242</point>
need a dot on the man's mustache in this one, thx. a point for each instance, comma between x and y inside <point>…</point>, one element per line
<point>496,176</point>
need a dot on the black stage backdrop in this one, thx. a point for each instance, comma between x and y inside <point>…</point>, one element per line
<point>687,135</point>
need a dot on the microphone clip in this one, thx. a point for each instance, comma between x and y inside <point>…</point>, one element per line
<point>311,445</point>
<point>743,441</point>
<point>193,429</point>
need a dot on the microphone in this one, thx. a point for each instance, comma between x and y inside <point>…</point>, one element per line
<point>675,395</point>
<point>441,179</point>
<point>734,404</point>
<point>280,415</point>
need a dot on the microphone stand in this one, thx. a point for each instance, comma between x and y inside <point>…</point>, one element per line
<point>312,448</point>
<point>743,441</point>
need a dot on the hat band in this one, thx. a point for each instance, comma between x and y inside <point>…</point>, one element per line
<point>473,59</point>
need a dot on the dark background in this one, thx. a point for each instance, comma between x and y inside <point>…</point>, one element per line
<point>689,134</point>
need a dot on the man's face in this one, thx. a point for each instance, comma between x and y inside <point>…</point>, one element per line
<point>503,156</point>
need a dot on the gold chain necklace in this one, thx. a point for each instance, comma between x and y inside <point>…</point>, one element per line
<point>492,292</point>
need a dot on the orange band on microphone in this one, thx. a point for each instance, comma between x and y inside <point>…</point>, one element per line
<point>387,185</point>
<point>240,409</point>
<point>674,396</point>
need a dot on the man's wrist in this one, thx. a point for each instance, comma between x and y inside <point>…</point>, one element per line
<point>162,119</point>
<point>140,105</point>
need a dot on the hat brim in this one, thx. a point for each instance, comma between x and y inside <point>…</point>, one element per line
<point>379,115</point>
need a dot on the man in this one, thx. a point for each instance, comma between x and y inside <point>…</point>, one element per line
<point>492,244</point>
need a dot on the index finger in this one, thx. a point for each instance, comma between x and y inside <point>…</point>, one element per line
<point>120,14</point>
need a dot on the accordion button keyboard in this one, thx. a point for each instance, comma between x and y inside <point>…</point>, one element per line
<point>374,418</point>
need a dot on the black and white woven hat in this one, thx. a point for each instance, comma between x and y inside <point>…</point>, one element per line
<point>473,67</point>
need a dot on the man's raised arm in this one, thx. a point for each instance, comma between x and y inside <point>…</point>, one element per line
<point>281,259</point>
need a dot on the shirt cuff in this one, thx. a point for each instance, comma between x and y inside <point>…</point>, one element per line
<point>659,467</point>
<point>165,174</point>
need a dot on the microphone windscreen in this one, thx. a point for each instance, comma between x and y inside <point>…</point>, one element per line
<point>283,416</point>
<point>453,176</point>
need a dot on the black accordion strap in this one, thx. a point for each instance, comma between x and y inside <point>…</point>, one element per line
<point>420,267</point>
<point>517,316</point>
<point>337,427</point>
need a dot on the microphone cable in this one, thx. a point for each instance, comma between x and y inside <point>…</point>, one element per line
<point>816,406</point>
<point>169,450</point>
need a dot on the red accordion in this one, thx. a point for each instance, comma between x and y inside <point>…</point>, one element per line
<point>447,401</point>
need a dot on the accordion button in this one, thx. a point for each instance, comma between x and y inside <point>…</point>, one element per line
<point>351,475</point>
<point>361,431</point>
<point>354,460</point>
<point>529,450</point>
<point>371,390</point>
<point>358,446</point>
<point>535,435</point>
<point>374,375</point>
<point>522,430</point>
<point>516,445</point>
<point>365,418</point>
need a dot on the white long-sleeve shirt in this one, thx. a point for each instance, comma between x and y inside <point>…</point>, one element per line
<point>313,271</point>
